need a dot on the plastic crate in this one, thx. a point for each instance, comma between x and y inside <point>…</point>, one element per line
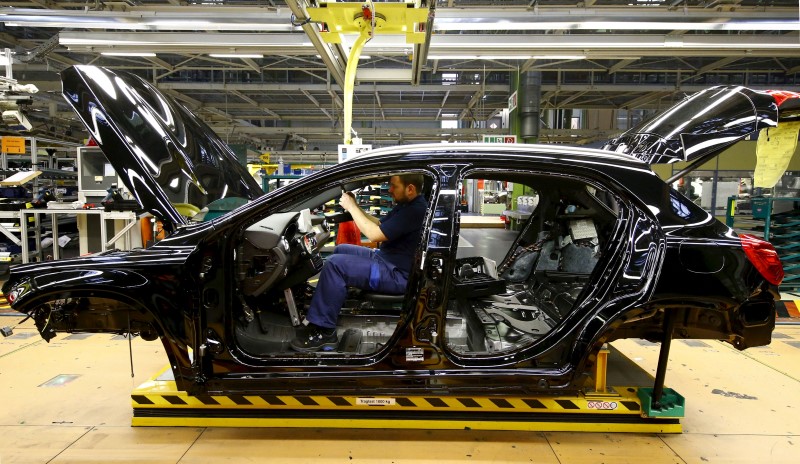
<point>471,279</point>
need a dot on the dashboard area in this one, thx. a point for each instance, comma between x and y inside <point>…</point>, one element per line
<point>276,248</point>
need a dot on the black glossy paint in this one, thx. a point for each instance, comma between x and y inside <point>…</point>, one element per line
<point>706,122</point>
<point>184,288</point>
<point>164,154</point>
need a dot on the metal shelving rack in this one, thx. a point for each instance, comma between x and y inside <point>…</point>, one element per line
<point>782,230</point>
<point>48,166</point>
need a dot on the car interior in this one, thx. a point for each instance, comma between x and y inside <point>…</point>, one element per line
<point>493,307</point>
<point>503,307</point>
<point>278,260</point>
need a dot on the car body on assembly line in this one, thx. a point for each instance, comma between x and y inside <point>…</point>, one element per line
<point>609,252</point>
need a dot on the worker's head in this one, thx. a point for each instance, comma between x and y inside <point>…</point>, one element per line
<point>405,187</point>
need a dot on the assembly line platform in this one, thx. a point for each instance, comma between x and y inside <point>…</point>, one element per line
<point>597,408</point>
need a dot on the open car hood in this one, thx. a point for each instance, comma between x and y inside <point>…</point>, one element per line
<point>167,157</point>
<point>705,123</point>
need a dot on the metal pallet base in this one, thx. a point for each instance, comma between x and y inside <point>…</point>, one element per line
<point>597,409</point>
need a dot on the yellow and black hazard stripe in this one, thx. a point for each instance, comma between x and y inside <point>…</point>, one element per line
<point>158,403</point>
<point>600,405</point>
<point>4,306</point>
<point>788,309</point>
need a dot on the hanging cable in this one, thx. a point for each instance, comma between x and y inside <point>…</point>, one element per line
<point>296,24</point>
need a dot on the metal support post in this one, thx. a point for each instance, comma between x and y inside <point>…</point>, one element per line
<point>663,357</point>
<point>601,370</point>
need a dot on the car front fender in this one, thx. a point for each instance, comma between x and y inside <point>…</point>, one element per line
<point>26,292</point>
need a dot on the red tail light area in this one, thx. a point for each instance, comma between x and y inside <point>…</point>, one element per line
<point>764,257</point>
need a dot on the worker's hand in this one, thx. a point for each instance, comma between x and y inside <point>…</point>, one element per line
<point>348,201</point>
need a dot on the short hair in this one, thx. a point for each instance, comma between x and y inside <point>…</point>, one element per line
<point>412,179</point>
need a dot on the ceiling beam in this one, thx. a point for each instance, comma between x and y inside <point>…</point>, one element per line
<point>160,63</point>
<point>645,99</point>
<point>380,105</point>
<point>315,102</point>
<point>421,50</point>
<point>472,102</point>
<point>621,64</point>
<point>334,61</point>
<point>252,64</point>
<point>278,87</point>
<point>571,98</point>
<point>717,64</point>
<point>252,103</point>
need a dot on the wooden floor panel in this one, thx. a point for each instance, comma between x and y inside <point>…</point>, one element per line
<point>741,407</point>
<point>105,444</point>
<point>701,448</point>
<point>368,446</point>
<point>35,444</point>
<point>726,391</point>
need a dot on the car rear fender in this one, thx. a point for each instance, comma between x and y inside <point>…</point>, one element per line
<point>629,280</point>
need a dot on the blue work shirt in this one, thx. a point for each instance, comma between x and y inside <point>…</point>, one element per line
<point>402,228</point>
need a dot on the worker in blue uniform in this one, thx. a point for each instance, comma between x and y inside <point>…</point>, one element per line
<point>384,270</point>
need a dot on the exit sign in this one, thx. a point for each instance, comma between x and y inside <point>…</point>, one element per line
<point>512,101</point>
<point>499,139</point>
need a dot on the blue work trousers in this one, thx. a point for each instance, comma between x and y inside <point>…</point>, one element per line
<point>351,266</point>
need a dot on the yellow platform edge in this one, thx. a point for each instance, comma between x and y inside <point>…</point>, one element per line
<point>525,426</point>
<point>159,403</point>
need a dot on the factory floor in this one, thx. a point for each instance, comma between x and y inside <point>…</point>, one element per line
<point>68,401</point>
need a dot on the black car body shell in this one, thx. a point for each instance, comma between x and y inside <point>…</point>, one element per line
<point>668,255</point>
<point>182,288</point>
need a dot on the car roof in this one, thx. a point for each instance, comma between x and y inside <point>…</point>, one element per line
<point>505,148</point>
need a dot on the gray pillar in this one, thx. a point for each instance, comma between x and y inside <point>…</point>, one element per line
<point>530,93</point>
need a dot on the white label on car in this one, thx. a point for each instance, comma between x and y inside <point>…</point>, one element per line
<point>375,402</point>
<point>414,355</point>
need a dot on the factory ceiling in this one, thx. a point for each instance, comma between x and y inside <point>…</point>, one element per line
<point>261,72</point>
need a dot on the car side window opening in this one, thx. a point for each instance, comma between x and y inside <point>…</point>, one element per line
<point>505,306</point>
<point>278,260</point>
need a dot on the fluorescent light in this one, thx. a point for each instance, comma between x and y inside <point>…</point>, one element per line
<point>236,55</point>
<point>479,57</point>
<point>670,41</point>
<point>559,57</point>
<point>249,19</point>
<point>128,53</point>
<point>755,25</point>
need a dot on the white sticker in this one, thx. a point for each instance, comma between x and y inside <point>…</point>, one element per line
<point>414,355</point>
<point>375,402</point>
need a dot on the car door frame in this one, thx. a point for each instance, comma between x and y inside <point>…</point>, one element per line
<point>581,331</point>
<point>235,363</point>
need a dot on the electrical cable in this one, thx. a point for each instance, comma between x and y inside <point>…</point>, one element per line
<point>296,24</point>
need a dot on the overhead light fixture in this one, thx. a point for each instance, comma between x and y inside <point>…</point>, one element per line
<point>192,19</point>
<point>672,41</point>
<point>479,57</point>
<point>236,55</point>
<point>621,26</point>
<point>150,54</point>
<point>559,57</point>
